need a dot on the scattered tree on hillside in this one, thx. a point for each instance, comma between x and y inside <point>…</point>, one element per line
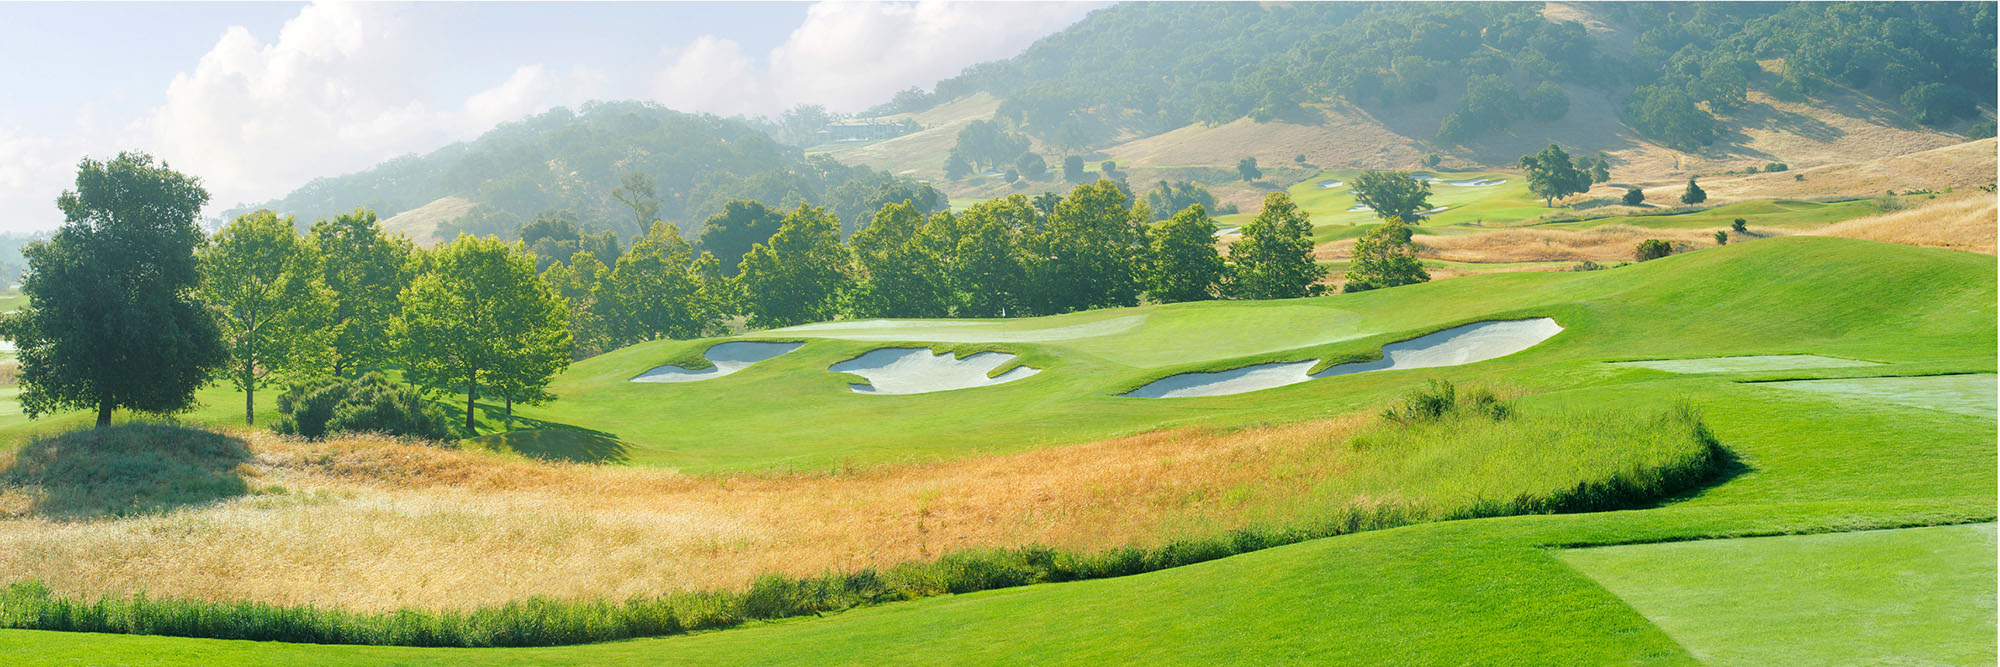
<point>985,143</point>
<point>1274,257</point>
<point>1073,169</point>
<point>1669,114</point>
<point>1183,264</point>
<point>1432,160</point>
<point>956,166</point>
<point>1384,257</point>
<point>1167,198</point>
<point>636,192</point>
<point>481,320</point>
<point>265,284</point>
<point>1247,168</point>
<point>112,320</point>
<point>800,276</point>
<point>1109,168</point>
<point>1032,166</point>
<point>365,269</point>
<point>1551,176</point>
<point>1392,194</point>
<point>656,291</point>
<point>900,275</point>
<point>1651,249</point>
<point>741,224</point>
<point>1739,225</point>
<point>1634,197</point>
<point>1011,176</point>
<point>1693,194</point>
<point>1490,104</point>
<point>1596,167</point>
<point>1721,237</point>
<point>1547,102</point>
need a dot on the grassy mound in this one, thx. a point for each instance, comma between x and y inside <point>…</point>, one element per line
<point>121,471</point>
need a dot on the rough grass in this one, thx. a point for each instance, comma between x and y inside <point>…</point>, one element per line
<point>1968,223</point>
<point>1609,243</point>
<point>386,543</point>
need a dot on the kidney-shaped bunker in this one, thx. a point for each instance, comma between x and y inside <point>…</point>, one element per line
<point>727,358</point>
<point>1456,346</point>
<point>914,370</point>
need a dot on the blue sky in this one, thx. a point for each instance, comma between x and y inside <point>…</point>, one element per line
<point>258,98</point>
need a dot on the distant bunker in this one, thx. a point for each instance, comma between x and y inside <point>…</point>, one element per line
<point>727,358</point>
<point>1329,185</point>
<point>1456,346</point>
<point>1745,364</point>
<point>915,370</point>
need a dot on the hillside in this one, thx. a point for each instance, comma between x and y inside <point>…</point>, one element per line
<point>1344,95</point>
<point>684,166</point>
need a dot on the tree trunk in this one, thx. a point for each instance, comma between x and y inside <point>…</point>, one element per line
<point>249,396</point>
<point>103,413</point>
<point>471,394</point>
<point>510,411</point>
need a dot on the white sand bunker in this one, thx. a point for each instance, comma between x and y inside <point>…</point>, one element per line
<point>726,357</point>
<point>1452,347</point>
<point>1746,364</point>
<point>914,370</point>
<point>1477,182</point>
<point>1227,231</point>
<point>1329,185</point>
<point>1357,208</point>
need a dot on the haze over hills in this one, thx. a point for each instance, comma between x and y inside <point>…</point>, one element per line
<point>1185,91</point>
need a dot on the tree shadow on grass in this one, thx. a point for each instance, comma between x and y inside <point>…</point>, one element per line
<point>123,470</point>
<point>551,441</point>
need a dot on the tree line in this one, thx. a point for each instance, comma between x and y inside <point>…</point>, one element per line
<point>131,306</point>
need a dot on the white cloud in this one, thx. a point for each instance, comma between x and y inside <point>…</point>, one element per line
<point>335,92</point>
<point>850,56</point>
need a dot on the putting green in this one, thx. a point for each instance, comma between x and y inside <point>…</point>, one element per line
<point>1761,362</point>
<point>1971,395</point>
<point>1842,598</point>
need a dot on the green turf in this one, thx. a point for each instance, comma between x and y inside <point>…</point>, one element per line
<point>1484,591</point>
<point>1963,394</point>
<point>1843,598</point>
<point>1769,362</point>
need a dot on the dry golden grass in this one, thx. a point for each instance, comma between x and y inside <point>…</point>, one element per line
<point>374,524</point>
<point>1608,243</point>
<point>1959,166</point>
<point>1968,223</point>
<point>421,223</point>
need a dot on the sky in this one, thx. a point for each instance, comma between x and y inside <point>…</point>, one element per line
<point>258,98</point>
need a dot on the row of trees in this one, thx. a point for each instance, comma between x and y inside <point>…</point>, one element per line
<point>132,307</point>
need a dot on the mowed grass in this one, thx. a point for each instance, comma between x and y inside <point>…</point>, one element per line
<point>1869,597</point>
<point>1770,296</point>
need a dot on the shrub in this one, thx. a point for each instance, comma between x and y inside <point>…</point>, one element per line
<point>1634,197</point>
<point>1440,399</point>
<point>1694,194</point>
<point>1721,237</point>
<point>1653,249</point>
<point>1586,265</point>
<point>1738,225</point>
<point>1776,167</point>
<point>371,403</point>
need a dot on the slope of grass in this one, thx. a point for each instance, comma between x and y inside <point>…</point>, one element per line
<point>1891,595</point>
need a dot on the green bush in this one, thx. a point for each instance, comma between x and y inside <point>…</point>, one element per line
<point>1775,167</point>
<point>1721,237</point>
<point>1634,197</point>
<point>371,403</point>
<point>1586,265</point>
<point>1738,225</point>
<point>1653,249</point>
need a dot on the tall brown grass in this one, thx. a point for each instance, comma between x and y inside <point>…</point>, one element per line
<point>1968,223</point>
<point>1608,243</point>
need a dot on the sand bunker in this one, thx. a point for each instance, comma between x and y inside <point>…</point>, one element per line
<point>1452,347</point>
<point>914,370</point>
<point>1746,364</point>
<point>1227,231</point>
<point>1477,182</point>
<point>727,357</point>
<point>1328,185</point>
<point>1357,208</point>
<point>1970,395</point>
